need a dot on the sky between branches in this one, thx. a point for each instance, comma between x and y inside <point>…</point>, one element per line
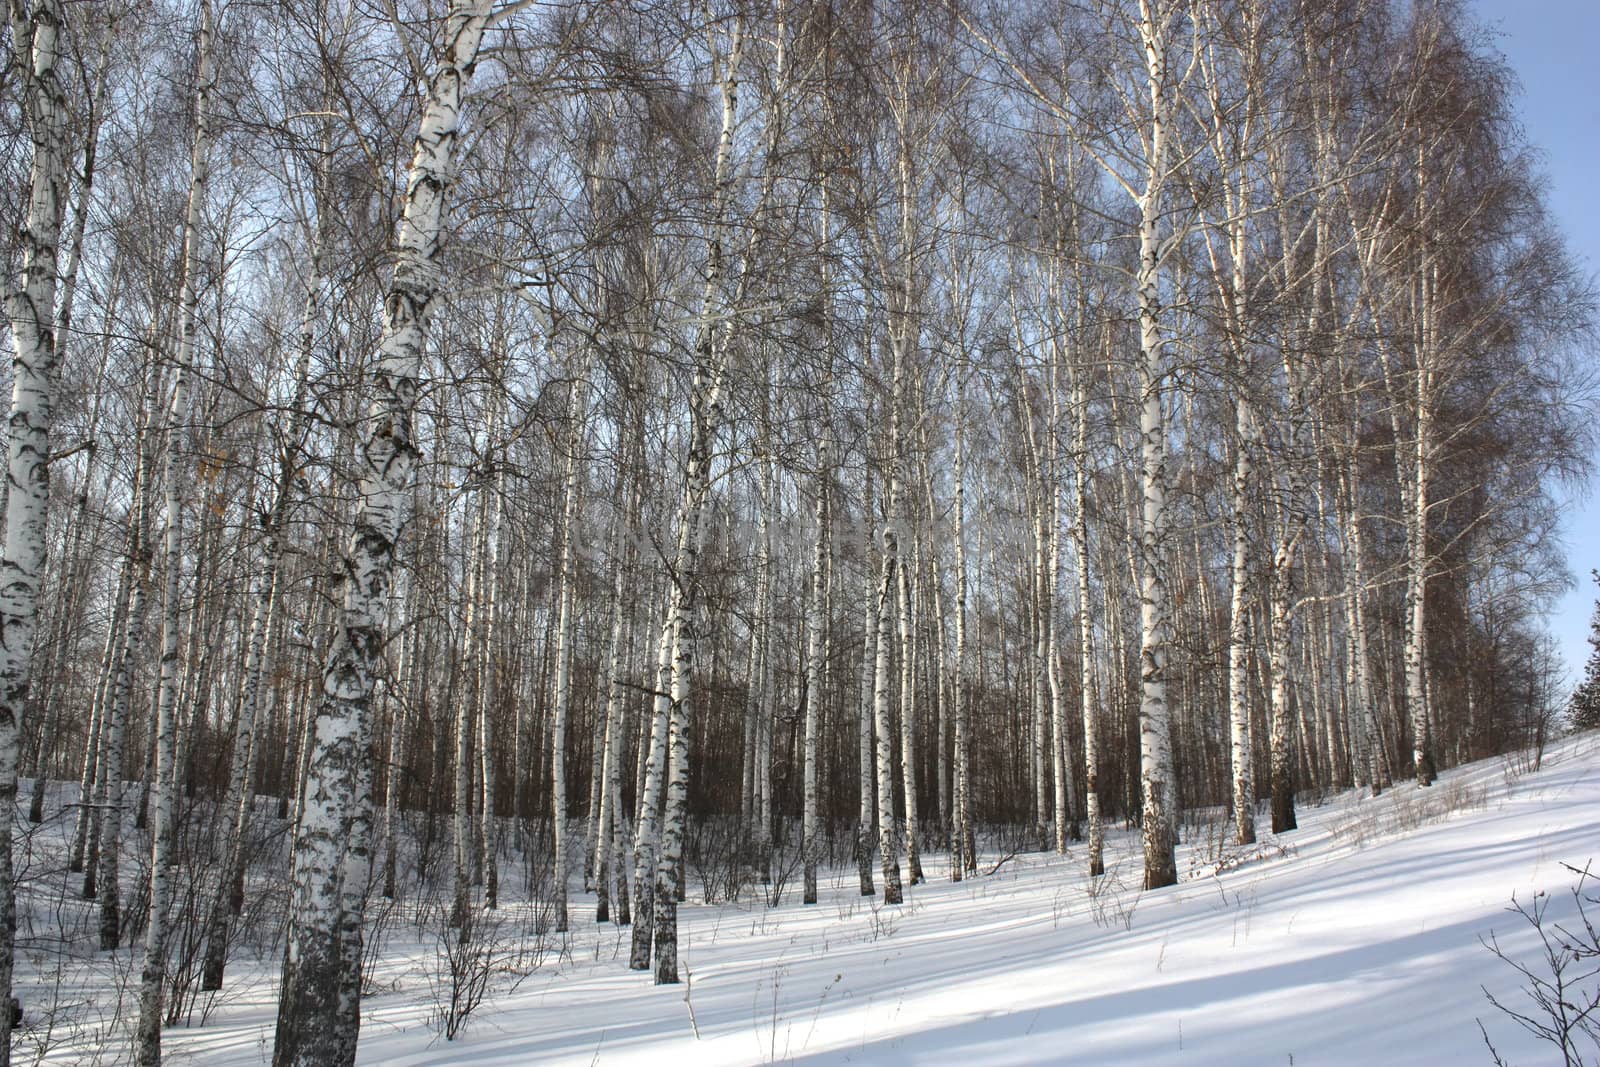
<point>1550,44</point>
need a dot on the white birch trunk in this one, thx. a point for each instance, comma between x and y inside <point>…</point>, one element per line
<point>1065,822</point>
<point>147,1045</point>
<point>1242,746</point>
<point>705,420</point>
<point>816,653</point>
<point>38,40</point>
<point>960,822</point>
<point>747,754</point>
<point>647,839</point>
<point>1080,533</point>
<point>1156,772</point>
<point>962,856</point>
<point>78,523</point>
<point>1280,607</point>
<point>908,715</point>
<point>611,735</point>
<point>683,621</point>
<point>938,666</point>
<point>760,704</point>
<point>1366,710</point>
<point>1282,724</point>
<point>110,793</point>
<point>488,673</point>
<point>355,874</point>
<point>888,845</point>
<point>463,828</point>
<point>561,698</point>
<point>866,810</point>
<point>1066,826</point>
<point>317,1024</point>
<point>403,695</point>
<point>1417,582</point>
<point>1039,668</point>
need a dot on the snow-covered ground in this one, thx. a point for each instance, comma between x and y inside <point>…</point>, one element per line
<point>1355,940</point>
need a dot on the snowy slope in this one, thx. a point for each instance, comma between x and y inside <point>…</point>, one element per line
<point>1354,940</point>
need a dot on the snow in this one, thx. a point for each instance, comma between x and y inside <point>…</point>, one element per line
<point>1356,939</point>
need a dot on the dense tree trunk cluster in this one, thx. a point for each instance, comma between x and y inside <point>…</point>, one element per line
<point>695,447</point>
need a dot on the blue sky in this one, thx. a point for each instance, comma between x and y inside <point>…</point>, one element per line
<point>1551,45</point>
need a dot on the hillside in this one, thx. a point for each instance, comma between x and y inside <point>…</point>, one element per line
<point>1354,940</point>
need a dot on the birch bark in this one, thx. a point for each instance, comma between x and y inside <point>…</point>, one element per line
<point>561,698</point>
<point>1417,517</point>
<point>487,667</point>
<point>38,40</point>
<point>888,844</point>
<point>960,824</point>
<point>908,717</point>
<point>1080,536</point>
<point>147,1043</point>
<point>866,810</point>
<point>647,838</point>
<point>1160,827</point>
<point>816,653</point>
<point>317,1024</point>
<point>706,416</point>
<point>463,828</point>
<point>611,750</point>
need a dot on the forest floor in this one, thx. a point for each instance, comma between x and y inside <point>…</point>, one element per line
<point>1359,938</point>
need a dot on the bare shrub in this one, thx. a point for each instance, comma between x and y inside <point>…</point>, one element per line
<point>1561,987</point>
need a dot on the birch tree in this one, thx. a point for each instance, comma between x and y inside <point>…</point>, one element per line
<point>706,399</point>
<point>38,41</point>
<point>317,1019</point>
<point>1157,24</point>
<point>175,478</point>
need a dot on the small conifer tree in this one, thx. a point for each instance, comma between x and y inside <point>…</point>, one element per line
<point>1584,710</point>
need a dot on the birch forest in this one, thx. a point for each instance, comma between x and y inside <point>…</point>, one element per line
<point>607,455</point>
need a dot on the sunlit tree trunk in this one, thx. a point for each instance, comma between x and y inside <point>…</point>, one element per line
<point>317,1022</point>
<point>866,811</point>
<point>647,836</point>
<point>1157,779</point>
<point>908,713</point>
<point>1417,518</point>
<point>683,623</point>
<point>561,698</point>
<point>1363,706</point>
<point>961,823</point>
<point>38,43</point>
<point>487,669</point>
<point>1242,748</point>
<point>760,708</point>
<point>78,563</point>
<point>1039,660</point>
<point>606,830</point>
<point>706,416</point>
<point>816,654</point>
<point>1080,536</point>
<point>464,836</point>
<point>888,844</point>
<point>1066,821</point>
<point>401,695</point>
<point>152,981</point>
